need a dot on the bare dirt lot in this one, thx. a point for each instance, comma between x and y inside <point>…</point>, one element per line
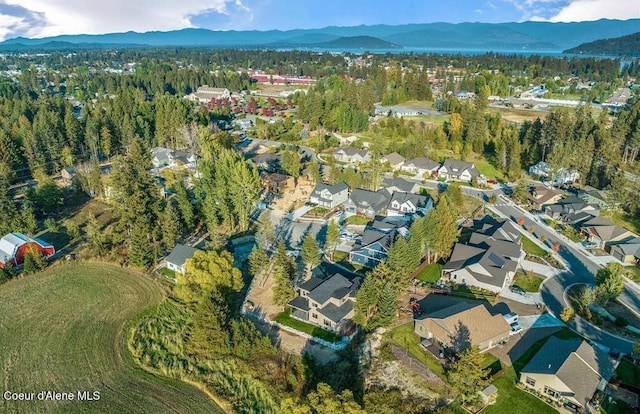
<point>293,199</point>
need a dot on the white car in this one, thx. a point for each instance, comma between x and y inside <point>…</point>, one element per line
<point>516,328</point>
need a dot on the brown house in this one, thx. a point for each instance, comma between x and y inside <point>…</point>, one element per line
<point>462,325</point>
<point>278,183</point>
<point>541,196</point>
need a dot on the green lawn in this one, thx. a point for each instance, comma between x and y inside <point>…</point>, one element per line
<point>514,400</point>
<point>531,248</point>
<point>628,373</point>
<point>528,282</point>
<point>431,273</point>
<point>632,272</point>
<point>473,293</point>
<point>487,169</point>
<point>167,272</point>
<point>339,255</point>
<point>285,319</point>
<point>404,337</point>
<point>616,407</point>
<point>627,221</point>
<point>66,329</point>
<point>357,220</point>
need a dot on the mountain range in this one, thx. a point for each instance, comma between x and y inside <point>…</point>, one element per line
<point>618,46</point>
<point>532,36</point>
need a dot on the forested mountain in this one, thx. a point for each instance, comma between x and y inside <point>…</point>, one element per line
<point>358,42</point>
<point>480,36</point>
<point>620,46</point>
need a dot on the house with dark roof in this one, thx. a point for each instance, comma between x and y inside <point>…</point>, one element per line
<point>352,155</point>
<point>421,166</point>
<point>627,252</point>
<point>591,195</point>
<point>602,232</point>
<point>540,196</point>
<point>400,184</point>
<point>569,371</point>
<point>489,260</point>
<point>367,203</point>
<point>374,245</point>
<point>329,196</point>
<point>404,204</point>
<point>165,157</point>
<point>462,325</point>
<point>266,162</point>
<point>458,170</point>
<point>178,257</point>
<point>394,160</point>
<point>567,206</point>
<point>327,303</point>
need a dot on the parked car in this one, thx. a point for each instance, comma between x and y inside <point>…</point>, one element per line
<point>589,245</point>
<point>518,290</point>
<point>515,328</point>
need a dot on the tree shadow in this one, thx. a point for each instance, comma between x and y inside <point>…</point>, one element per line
<point>460,338</point>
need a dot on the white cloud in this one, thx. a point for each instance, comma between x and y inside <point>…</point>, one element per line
<point>581,10</point>
<point>96,16</point>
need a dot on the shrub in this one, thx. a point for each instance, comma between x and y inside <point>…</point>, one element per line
<point>567,314</point>
<point>621,321</point>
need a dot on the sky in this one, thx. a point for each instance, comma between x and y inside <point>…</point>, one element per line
<point>42,18</point>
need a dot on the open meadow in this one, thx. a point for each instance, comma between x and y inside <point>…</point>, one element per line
<point>66,330</point>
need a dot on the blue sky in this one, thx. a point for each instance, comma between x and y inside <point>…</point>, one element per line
<point>39,18</point>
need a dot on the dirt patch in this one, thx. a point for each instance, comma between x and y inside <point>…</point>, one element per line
<point>293,199</point>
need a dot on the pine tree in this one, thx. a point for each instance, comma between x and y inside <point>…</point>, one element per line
<point>283,272</point>
<point>333,235</point>
<point>313,170</point>
<point>28,222</point>
<point>366,300</point>
<point>310,251</point>
<point>185,206</point>
<point>170,226</point>
<point>466,374</point>
<point>445,229</point>
<point>258,259</point>
<point>141,249</point>
<point>386,305</point>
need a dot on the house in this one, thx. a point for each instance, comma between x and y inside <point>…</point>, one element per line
<point>534,93</point>
<point>490,258</point>
<point>591,195</point>
<point>541,196</point>
<point>327,303</point>
<point>569,206</point>
<point>329,196</point>
<point>351,155</point>
<point>277,183</point>
<point>421,166</point>
<point>373,247</point>
<point>178,256</point>
<point>541,169</point>
<point>394,160</point>
<point>267,162</point>
<point>367,203</point>
<point>458,170</point>
<point>462,325</point>
<point>165,157</point>
<point>627,252</point>
<point>561,176</point>
<point>205,94</point>
<point>400,184</point>
<point>15,246</point>
<point>602,232</point>
<point>402,204</point>
<point>569,371</point>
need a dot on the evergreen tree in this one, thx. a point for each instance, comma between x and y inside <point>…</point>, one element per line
<point>466,374</point>
<point>291,163</point>
<point>609,282</point>
<point>258,259</point>
<point>445,229</point>
<point>386,305</point>
<point>266,235</point>
<point>313,170</point>
<point>170,226</point>
<point>333,236</point>
<point>185,206</point>
<point>310,251</point>
<point>28,222</point>
<point>209,334</point>
<point>283,272</point>
<point>366,300</point>
<point>141,248</point>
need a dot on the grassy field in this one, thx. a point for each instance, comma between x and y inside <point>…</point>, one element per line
<point>285,319</point>
<point>404,337</point>
<point>431,273</point>
<point>429,119</point>
<point>65,330</point>
<point>528,282</point>
<point>531,248</point>
<point>518,115</point>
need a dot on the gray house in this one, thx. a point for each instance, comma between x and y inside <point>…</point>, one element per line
<point>367,203</point>
<point>178,257</point>
<point>329,196</point>
<point>408,204</point>
<point>352,155</point>
<point>458,170</point>
<point>373,247</point>
<point>327,303</point>
<point>490,259</point>
<point>420,166</point>
<point>569,371</point>
<point>394,160</point>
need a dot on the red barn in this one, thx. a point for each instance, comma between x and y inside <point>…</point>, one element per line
<point>14,247</point>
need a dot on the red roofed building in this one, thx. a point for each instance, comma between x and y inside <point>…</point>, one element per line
<point>15,246</point>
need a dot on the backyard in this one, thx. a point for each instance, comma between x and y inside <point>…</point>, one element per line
<point>431,273</point>
<point>285,319</point>
<point>405,338</point>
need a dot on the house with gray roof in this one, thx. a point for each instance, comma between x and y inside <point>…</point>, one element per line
<point>267,162</point>
<point>394,160</point>
<point>178,257</point>
<point>458,170</point>
<point>351,155</point>
<point>404,204</point>
<point>627,252</point>
<point>367,203</point>
<point>165,157</point>
<point>376,240</point>
<point>329,196</point>
<point>569,371</point>
<point>327,303</point>
<point>489,260</point>
<point>568,206</point>
<point>602,232</point>
<point>400,184</point>
<point>422,166</point>
<point>591,195</point>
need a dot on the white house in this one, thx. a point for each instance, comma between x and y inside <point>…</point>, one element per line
<point>178,257</point>
<point>352,155</point>
<point>205,94</point>
<point>329,196</point>
<point>458,170</point>
<point>420,166</point>
<point>402,204</point>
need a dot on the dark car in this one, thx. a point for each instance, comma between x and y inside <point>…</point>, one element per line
<point>518,290</point>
